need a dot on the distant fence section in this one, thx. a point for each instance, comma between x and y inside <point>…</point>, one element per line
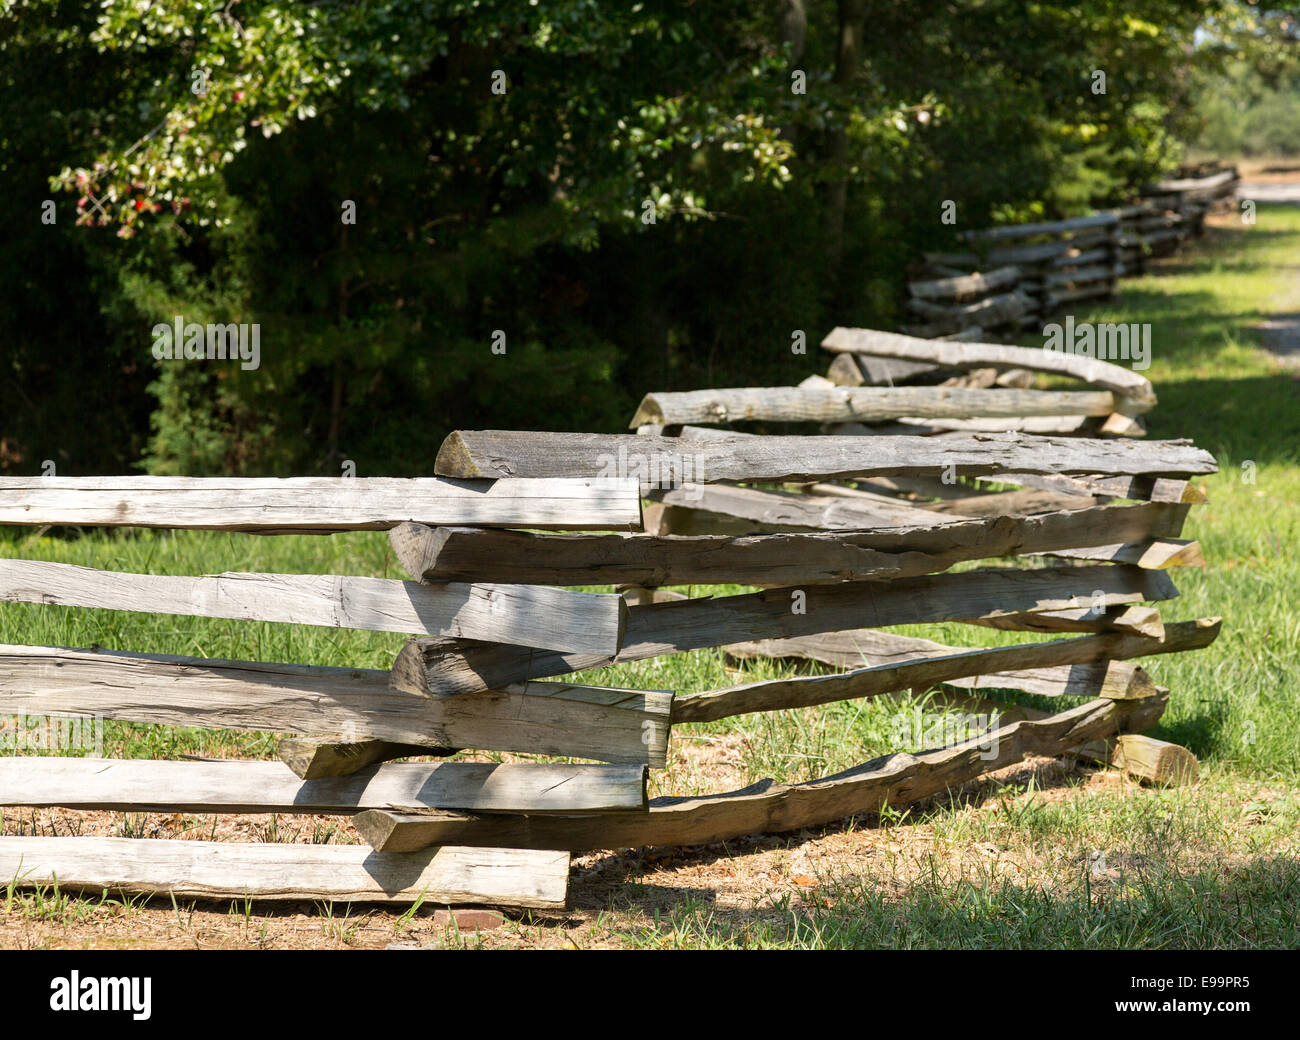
<point>1014,277</point>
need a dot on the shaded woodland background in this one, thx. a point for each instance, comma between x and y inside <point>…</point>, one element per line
<point>198,158</point>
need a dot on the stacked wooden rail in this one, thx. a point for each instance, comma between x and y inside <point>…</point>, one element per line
<point>495,546</point>
<point>342,726</point>
<point>860,553</point>
<point>1015,277</point>
<point>886,383</point>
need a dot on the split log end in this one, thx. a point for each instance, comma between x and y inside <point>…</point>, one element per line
<point>455,460</point>
<point>648,412</point>
<point>1154,761</point>
<point>417,546</point>
<point>409,674</point>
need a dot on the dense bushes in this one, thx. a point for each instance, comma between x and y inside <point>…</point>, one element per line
<point>504,161</point>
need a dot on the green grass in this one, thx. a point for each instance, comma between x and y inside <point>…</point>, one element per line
<point>1193,874</point>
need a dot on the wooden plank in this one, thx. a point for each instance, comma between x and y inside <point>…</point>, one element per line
<point>1152,553</point>
<point>561,719</point>
<point>446,668</point>
<point>891,781</point>
<point>233,786</point>
<point>528,615</point>
<point>1008,503</point>
<point>1149,489</point>
<point>910,425</point>
<point>1088,666</point>
<point>1124,382</point>
<point>917,544</point>
<point>989,312</point>
<point>1043,425</point>
<point>1137,619</point>
<point>779,511</point>
<point>668,462</point>
<point>1011,232</point>
<point>965,286</point>
<point>869,647</point>
<point>282,871</point>
<point>317,504</point>
<point>887,519</point>
<point>866,404</point>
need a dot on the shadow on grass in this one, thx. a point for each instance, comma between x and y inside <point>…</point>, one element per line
<point>1247,906</point>
<point>1254,417</point>
<point>1136,897</point>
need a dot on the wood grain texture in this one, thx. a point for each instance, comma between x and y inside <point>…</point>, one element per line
<point>1146,489</point>
<point>867,647</point>
<point>668,462</point>
<point>892,781</point>
<point>316,504</point>
<point>524,614</point>
<point>1091,666</point>
<point>1125,382</point>
<point>919,544</point>
<point>447,668</point>
<point>560,719</point>
<point>281,871</point>
<point>1152,553</point>
<point>1138,619</point>
<point>139,785</point>
<point>865,404</point>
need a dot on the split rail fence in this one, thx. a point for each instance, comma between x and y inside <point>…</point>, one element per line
<point>1014,277</point>
<point>860,528</point>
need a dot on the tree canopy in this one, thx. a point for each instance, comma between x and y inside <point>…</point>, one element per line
<point>501,213</point>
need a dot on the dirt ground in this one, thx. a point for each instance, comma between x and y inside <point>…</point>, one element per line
<point>613,895</point>
<point>608,891</point>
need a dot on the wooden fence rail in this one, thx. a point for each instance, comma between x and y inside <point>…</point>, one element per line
<point>844,535</point>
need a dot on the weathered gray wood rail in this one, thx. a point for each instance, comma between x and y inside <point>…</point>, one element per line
<point>562,719</point>
<point>317,504</point>
<point>447,668</point>
<point>661,461</point>
<point>921,543</point>
<point>130,785</point>
<point>894,780</point>
<point>524,614</point>
<point>868,404</point>
<point>1135,389</point>
<point>281,871</point>
<point>1083,258</point>
<point>1091,666</point>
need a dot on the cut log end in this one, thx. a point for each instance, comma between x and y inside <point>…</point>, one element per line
<point>1154,761</point>
<point>408,673</point>
<point>455,460</point>
<point>648,412</point>
<point>417,546</point>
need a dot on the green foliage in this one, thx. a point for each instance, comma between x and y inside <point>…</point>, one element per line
<point>504,161</point>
